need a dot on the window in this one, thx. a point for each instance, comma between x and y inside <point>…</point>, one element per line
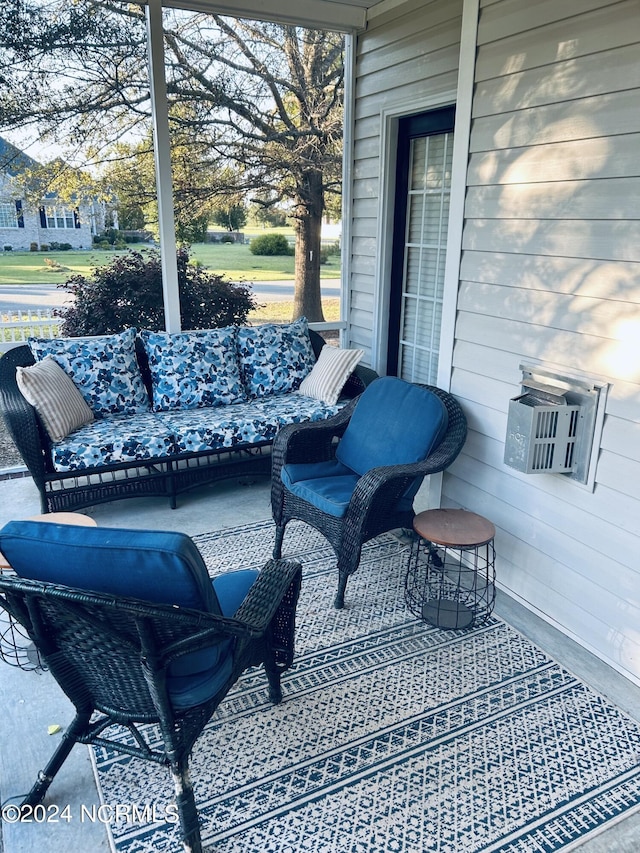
<point>59,217</point>
<point>8,215</point>
<point>425,155</point>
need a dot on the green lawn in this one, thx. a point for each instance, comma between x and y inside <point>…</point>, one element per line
<point>233,261</point>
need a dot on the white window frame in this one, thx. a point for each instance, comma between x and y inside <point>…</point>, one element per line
<point>8,215</point>
<point>59,217</point>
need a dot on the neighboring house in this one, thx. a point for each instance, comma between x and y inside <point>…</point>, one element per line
<point>23,226</point>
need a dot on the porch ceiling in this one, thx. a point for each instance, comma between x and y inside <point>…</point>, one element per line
<point>338,15</point>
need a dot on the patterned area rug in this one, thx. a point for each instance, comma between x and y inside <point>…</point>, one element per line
<point>393,735</point>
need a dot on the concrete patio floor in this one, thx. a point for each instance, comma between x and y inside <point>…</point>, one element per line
<point>30,702</point>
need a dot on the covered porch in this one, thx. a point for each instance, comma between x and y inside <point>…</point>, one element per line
<point>33,701</point>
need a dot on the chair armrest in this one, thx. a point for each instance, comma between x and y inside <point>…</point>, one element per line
<point>267,593</point>
<point>310,441</point>
<point>356,383</point>
<point>20,416</point>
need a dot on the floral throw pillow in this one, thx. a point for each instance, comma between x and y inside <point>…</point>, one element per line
<point>104,369</point>
<point>191,370</point>
<point>274,359</point>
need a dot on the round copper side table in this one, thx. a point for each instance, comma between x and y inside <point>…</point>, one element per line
<point>451,577</point>
<point>16,647</point>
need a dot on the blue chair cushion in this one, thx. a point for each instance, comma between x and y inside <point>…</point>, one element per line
<point>198,676</point>
<point>394,423</point>
<point>154,566</point>
<point>326,485</point>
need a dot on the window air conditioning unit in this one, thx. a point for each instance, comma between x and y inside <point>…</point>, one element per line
<point>553,423</point>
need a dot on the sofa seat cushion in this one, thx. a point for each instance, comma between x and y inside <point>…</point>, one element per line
<point>191,370</point>
<point>253,422</point>
<point>104,368</point>
<point>113,441</point>
<point>274,359</point>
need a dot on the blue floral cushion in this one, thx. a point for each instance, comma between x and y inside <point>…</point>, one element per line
<point>253,422</point>
<point>191,370</point>
<point>104,368</point>
<point>112,441</point>
<point>275,359</point>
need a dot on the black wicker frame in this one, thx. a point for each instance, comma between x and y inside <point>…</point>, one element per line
<point>371,509</point>
<point>159,477</point>
<point>110,657</point>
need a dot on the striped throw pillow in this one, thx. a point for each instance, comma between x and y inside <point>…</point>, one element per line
<point>329,373</point>
<point>54,396</point>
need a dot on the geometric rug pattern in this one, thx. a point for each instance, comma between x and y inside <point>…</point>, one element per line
<point>393,735</point>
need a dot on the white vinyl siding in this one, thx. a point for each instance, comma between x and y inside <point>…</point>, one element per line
<point>406,53</point>
<point>550,273</point>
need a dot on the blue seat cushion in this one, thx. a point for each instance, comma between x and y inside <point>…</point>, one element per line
<point>394,423</point>
<point>326,485</point>
<point>154,566</point>
<point>198,676</point>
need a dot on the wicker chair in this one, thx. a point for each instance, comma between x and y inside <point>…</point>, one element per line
<point>127,662</point>
<point>352,503</point>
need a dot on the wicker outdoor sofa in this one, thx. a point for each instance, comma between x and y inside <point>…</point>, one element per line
<point>167,413</point>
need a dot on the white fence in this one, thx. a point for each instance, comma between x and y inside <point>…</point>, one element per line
<point>18,325</point>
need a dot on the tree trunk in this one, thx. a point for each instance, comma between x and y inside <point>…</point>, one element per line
<point>309,205</point>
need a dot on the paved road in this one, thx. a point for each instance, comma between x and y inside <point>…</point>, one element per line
<point>21,297</point>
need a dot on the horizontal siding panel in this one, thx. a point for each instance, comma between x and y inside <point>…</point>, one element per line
<point>597,317</point>
<point>411,94</point>
<point>363,208</point>
<point>540,492</point>
<point>588,118</point>
<point>605,27</point>
<point>401,24</point>
<point>617,198</point>
<point>487,360</point>
<point>577,535</point>
<point>362,299</point>
<point>366,129</point>
<point>565,238</point>
<point>620,435</point>
<point>553,347</point>
<point>620,473</point>
<point>577,160</point>
<point>366,188</point>
<point>412,49</point>
<point>588,76</point>
<point>364,227</point>
<point>367,148</point>
<point>364,264</point>
<point>428,65</point>
<point>366,168</point>
<point>606,279</point>
<point>513,17</point>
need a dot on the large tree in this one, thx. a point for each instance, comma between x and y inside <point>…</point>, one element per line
<point>264,97</point>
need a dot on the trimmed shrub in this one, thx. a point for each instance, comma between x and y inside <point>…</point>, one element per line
<point>128,292</point>
<point>270,244</point>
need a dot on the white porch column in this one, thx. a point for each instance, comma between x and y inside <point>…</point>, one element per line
<point>162,157</point>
